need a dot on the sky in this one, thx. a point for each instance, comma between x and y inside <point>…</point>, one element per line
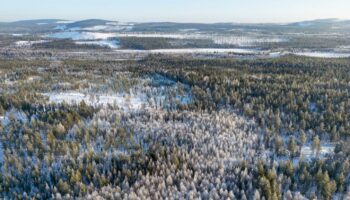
<point>244,11</point>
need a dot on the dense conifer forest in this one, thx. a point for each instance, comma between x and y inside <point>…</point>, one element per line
<point>175,127</point>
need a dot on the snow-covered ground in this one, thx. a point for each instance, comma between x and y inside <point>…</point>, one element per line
<point>60,27</point>
<point>121,100</point>
<point>194,50</point>
<point>29,43</point>
<point>19,34</point>
<point>216,38</point>
<point>275,54</point>
<point>323,54</point>
<point>110,26</point>
<point>34,78</point>
<point>307,152</point>
<point>64,22</point>
<point>114,44</point>
<point>245,41</point>
<point>13,114</point>
<point>162,35</point>
<point>75,35</point>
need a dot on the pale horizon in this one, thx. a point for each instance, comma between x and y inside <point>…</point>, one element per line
<point>196,11</point>
<point>199,22</point>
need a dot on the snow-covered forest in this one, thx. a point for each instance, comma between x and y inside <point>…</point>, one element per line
<point>172,127</point>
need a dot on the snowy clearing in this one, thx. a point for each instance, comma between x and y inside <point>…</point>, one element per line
<point>323,54</point>
<point>29,43</point>
<point>110,26</point>
<point>121,100</point>
<point>13,114</point>
<point>75,35</point>
<point>245,41</point>
<point>114,44</point>
<point>60,27</point>
<point>18,34</point>
<point>308,153</point>
<point>217,39</point>
<point>194,50</point>
<point>64,22</point>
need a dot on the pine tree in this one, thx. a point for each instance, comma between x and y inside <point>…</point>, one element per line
<point>316,145</point>
<point>303,138</point>
<point>328,187</point>
<point>292,146</point>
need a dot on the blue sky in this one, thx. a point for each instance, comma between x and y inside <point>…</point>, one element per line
<point>176,10</point>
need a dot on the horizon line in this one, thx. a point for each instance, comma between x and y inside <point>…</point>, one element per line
<point>170,21</point>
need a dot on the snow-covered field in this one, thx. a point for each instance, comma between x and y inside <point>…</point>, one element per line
<point>92,33</point>
<point>162,35</point>
<point>323,54</point>
<point>121,100</point>
<point>194,51</point>
<point>65,22</point>
<point>308,153</point>
<point>216,38</point>
<point>18,34</point>
<point>114,44</point>
<point>245,41</point>
<point>92,38</point>
<point>110,26</point>
<point>13,114</point>
<point>75,35</point>
<point>29,43</point>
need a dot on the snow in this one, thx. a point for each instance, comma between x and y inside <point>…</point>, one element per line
<point>121,100</point>
<point>217,39</point>
<point>33,78</point>
<point>96,28</point>
<point>110,26</point>
<point>323,54</point>
<point>29,43</point>
<point>188,30</point>
<point>91,33</point>
<point>75,35</point>
<point>313,107</point>
<point>64,22</point>
<point>18,34</point>
<point>245,41</point>
<point>17,115</point>
<point>344,47</point>
<point>275,54</point>
<point>305,24</point>
<point>114,44</point>
<point>60,27</point>
<point>193,50</point>
<point>160,35</point>
<point>326,149</point>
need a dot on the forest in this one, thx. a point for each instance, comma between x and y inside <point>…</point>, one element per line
<point>175,127</point>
